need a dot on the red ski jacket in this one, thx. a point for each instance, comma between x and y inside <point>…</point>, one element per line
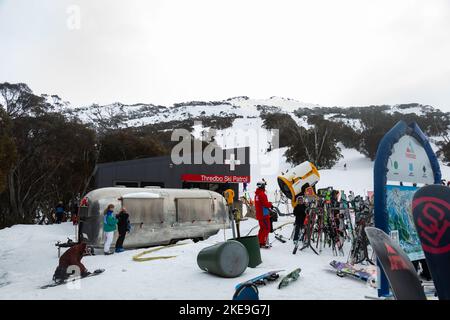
<point>261,202</point>
<point>73,257</point>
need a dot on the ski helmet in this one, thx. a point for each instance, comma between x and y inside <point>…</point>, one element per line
<point>261,184</point>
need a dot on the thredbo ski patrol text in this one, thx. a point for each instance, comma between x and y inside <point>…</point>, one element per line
<point>225,310</point>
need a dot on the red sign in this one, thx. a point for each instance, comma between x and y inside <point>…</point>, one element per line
<point>215,178</point>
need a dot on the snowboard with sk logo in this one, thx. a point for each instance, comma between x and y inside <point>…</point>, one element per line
<point>431,211</point>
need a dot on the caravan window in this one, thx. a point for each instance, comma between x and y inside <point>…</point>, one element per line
<point>147,211</point>
<point>128,184</point>
<point>152,184</point>
<point>190,209</point>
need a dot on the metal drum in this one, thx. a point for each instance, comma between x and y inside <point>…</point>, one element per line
<point>227,259</point>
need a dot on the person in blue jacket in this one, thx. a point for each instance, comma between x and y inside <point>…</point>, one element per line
<point>109,226</point>
<point>59,212</point>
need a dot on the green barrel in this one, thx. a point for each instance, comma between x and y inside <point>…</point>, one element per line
<point>251,243</point>
<point>227,259</point>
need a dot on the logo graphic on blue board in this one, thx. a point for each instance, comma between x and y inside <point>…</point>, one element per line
<point>411,169</point>
<point>394,167</point>
<point>410,151</point>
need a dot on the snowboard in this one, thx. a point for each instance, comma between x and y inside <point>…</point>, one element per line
<point>261,279</point>
<point>72,279</point>
<point>346,269</point>
<point>431,212</point>
<point>290,277</point>
<point>398,268</point>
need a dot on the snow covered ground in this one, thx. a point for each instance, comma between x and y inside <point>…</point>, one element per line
<point>28,259</point>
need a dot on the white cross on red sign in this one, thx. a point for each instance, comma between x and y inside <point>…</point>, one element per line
<point>232,162</point>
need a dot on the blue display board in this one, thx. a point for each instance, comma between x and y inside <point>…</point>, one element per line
<point>404,155</point>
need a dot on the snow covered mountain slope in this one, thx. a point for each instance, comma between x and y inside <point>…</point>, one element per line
<point>147,114</point>
<point>238,122</point>
<point>142,114</point>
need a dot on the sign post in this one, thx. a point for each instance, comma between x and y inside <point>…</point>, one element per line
<point>404,155</point>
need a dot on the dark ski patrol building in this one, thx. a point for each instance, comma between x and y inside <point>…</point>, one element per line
<point>161,172</point>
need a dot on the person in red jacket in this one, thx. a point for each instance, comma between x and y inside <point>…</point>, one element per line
<point>262,206</point>
<point>71,258</point>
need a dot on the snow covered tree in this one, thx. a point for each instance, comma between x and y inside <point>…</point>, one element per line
<point>18,100</point>
<point>44,156</point>
<point>54,157</point>
<point>284,123</point>
<point>317,145</point>
<point>444,148</point>
<point>375,125</point>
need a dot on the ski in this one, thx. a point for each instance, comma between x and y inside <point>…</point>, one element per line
<point>431,212</point>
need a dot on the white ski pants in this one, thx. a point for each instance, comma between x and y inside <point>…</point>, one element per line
<point>108,240</point>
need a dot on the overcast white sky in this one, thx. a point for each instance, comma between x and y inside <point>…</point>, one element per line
<point>330,52</point>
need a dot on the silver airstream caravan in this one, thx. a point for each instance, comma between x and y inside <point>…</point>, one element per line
<point>157,216</point>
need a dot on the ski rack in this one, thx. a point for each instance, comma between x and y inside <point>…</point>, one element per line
<point>309,231</point>
<point>360,241</point>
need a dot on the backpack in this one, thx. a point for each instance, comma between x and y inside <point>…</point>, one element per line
<point>274,214</point>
